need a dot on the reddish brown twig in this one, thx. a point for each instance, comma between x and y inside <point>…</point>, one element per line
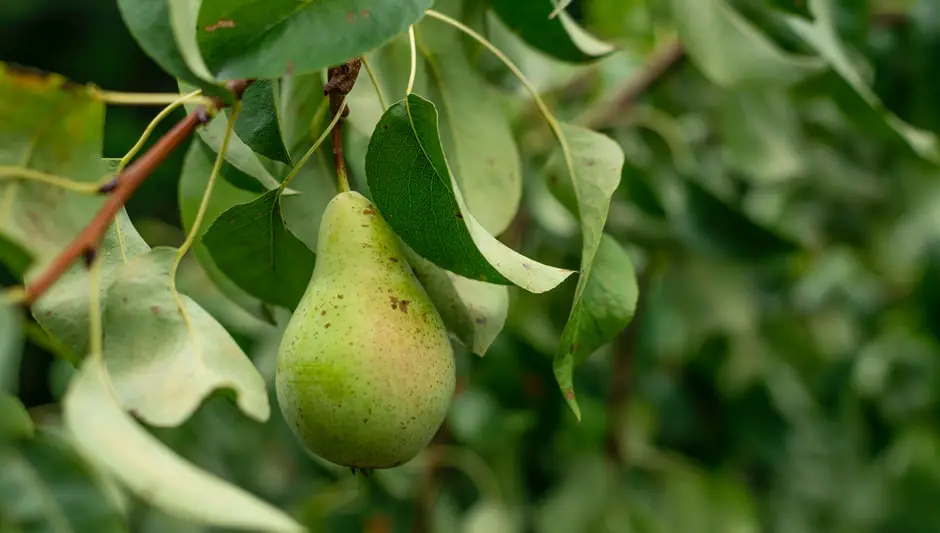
<point>340,83</point>
<point>120,190</point>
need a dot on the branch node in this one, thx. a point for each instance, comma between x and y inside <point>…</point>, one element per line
<point>119,189</point>
<point>109,186</point>
<point>342,78</point>
<point>202,115</point>
<point>88,256</point>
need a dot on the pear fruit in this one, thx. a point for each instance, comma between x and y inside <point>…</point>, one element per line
<point>365,369</point>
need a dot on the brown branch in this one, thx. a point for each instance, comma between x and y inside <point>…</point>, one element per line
<point>341,81</point>
<point>120,190</point>
<point>661,63</point>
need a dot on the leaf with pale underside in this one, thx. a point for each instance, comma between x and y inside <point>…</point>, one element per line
<point>63,310</point>
<point>605,297</point>
<point>164,361</point>
<point>153,471</point>
<point>251,39</point>
<point>415,191</point>
<point>50,125</point>
<point>475,130</point>
<point>473,310</point>
<point>251,245</point>
<point>46,486</point>
<point>558,36</point>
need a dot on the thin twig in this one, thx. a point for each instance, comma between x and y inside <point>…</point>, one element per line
<point>659,64</point>
<point>85,244</point>
<point>341,81</point>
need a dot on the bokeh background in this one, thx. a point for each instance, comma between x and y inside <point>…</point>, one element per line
<point>782,373</point>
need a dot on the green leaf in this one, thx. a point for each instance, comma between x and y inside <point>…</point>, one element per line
<point>158,26</point>
<point>183,15</point>
<point>239,154</point>
<point>731,52</point>
<point>474,128</point>
<point>164,362</point>
<point>252,246</point>
<point>50,125</point>
<point>45,486</point>
<point>14,257</point>
<point>761,134</point>
<point>416,193</point>
<point>606,294</point>
<point>14,421</point>
<point>11,338</point>
<point>258,123</point>
<point>717,227</point>
<point>197,165</point>
<point>796,7</point>
<point>822,35</point>
<point>302,109</point>
<point>152,471</point>
<point>601,310</point>
<point>63,310</point>
<point>473,310</point>
<point>249,39</point>
<point>559,36</point>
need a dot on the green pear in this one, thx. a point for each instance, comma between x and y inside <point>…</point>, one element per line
<point>365,369</point>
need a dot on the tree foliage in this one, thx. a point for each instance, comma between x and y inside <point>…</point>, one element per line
<point>686,252</point>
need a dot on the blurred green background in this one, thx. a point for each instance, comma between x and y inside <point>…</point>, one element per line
<point>782,372</point>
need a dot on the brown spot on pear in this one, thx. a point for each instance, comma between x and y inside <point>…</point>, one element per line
<point>373,389</point>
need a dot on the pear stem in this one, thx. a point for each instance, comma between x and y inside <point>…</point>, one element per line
<point>341,81</point>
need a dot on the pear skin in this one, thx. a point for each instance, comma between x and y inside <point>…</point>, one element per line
<point>365,369</point>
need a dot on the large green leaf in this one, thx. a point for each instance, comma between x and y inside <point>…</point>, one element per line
<point>559,36</point>
<point>473,310</point>
<point>158,26</point>
<point>474,128</point>
<point>46,486</point>
<point>63,310</point>
<point>822,34</point>
<point>153,471</point>
<point>258,123</point>
<point>252,246</point>
<point>414,189</point>
<point>731,52</point>
<point>164,361</point>
<point>605,297</point>
<point>250,39</point>
<point>10,346</point>
<point>48,125</point>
